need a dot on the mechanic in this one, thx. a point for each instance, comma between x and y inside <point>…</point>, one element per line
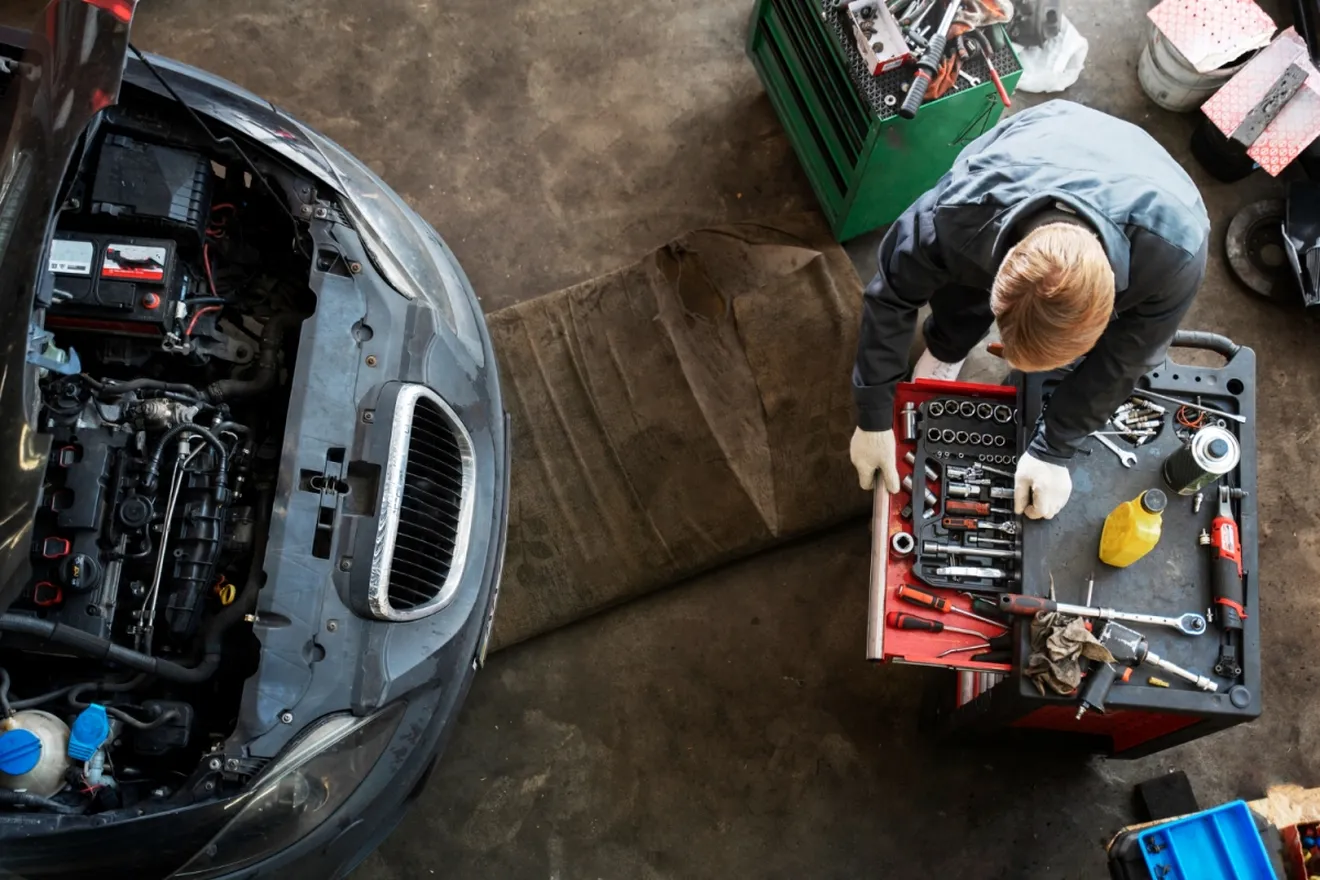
<point>1076,233</point>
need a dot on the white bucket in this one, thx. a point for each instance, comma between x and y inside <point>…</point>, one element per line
<point>1171,81</point>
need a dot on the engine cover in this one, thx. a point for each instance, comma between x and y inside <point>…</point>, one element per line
<point>76,581</point>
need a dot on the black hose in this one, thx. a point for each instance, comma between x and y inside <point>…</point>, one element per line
<point>27,799</point>
<point>233,427</point>
<point>77,702</point>
<point>105,650</point>
<point>5,709</point>
<point>153,464</point>
<point>268,362</point>
<point>117,388</point>
<point>40,699</point>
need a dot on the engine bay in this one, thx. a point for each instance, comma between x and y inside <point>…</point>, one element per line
<point>164,334</point>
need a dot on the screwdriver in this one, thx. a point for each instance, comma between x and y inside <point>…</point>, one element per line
<point>901,620</point>
<point>999,650</point>
<point>929,600</point>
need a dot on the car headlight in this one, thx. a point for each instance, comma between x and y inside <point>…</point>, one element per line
<point>401,245</point>
<point>299,791</point>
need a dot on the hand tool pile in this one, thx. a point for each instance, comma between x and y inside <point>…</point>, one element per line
<point>992,647</point>
<point>965,532</point>
<point>964,536</point>
<point>943,42</point>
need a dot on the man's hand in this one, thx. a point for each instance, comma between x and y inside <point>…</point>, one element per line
<point>874,451</point>
<point>1040,489</point>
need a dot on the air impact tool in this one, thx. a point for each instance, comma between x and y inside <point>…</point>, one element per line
<point>1130,649</point>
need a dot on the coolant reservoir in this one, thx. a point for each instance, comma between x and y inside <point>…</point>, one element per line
<point>33,752</point>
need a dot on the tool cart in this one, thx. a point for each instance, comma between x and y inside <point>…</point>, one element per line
<point>1181,621</point>
<point>865,162</point>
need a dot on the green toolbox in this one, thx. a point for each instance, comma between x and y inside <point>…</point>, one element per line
<point>865,163</point>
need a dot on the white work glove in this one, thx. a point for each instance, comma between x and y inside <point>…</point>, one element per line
<point>873,451</point>
<point>1040,489</point>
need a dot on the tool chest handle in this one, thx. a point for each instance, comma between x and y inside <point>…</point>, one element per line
<point>1215,342</point>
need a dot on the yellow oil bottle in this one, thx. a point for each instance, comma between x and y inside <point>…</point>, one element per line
<point>1132,529</point>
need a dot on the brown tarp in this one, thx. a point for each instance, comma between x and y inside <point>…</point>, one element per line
<point>685,411</point>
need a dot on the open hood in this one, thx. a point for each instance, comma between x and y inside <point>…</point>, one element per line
<point>70,73</point>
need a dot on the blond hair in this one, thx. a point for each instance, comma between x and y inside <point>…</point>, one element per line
<point>1052,297</point>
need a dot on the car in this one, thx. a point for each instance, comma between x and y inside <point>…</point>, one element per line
<point>253,475</point>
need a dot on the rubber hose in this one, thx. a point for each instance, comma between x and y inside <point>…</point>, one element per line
<point>107,651</point>
<point>118,388</point>
<point>27,799</point>
<point>268,362</point>
<point>222,469</point>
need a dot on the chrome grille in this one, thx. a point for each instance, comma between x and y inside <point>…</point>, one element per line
<point>426,511</point>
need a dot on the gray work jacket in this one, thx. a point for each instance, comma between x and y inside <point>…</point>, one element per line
<point>1145,209</point>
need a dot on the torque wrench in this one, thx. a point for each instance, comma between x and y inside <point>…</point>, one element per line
<point>1189,624</point>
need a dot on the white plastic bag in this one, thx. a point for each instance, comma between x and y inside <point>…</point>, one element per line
<point>1055,65</point>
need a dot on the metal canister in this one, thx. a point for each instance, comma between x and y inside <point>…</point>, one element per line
<point>1212,452</point>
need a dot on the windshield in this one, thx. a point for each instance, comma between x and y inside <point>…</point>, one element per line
<point>70,72</point>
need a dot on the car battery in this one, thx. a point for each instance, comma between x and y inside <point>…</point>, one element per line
<point>977,703</point>
<point>120,284</point>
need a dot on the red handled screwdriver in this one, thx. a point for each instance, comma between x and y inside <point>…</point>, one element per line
<point>936,603</point>
<point>901,620</point>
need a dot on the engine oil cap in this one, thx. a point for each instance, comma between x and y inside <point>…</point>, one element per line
<point>20,751</point>
<point>90,729</point>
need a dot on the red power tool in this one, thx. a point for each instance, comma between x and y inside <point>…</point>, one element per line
<point>1226,582</point>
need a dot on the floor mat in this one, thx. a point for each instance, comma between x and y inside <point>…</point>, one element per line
<point>685,411</point>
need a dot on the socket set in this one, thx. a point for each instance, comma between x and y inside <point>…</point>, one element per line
<point>965,534</point>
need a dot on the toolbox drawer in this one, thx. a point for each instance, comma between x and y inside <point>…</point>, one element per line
<point>890,571</point>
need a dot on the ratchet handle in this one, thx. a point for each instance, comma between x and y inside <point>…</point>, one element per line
<point>980,508</point>
<point>1016,603</point>
<point>930,61</point>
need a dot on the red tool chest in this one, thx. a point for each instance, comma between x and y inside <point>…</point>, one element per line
<point>979,702</point>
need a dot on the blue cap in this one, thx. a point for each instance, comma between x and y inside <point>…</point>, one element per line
<point>90,729</point>
<point>20,750</point>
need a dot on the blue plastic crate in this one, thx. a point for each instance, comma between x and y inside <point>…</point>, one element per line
<point>1218,844</point>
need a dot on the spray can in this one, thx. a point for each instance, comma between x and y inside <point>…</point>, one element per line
<point>1212,452</point>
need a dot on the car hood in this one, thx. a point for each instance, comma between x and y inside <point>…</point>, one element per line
<point>70,73</point>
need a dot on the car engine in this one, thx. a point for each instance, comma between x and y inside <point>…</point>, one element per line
<point>164,333</point>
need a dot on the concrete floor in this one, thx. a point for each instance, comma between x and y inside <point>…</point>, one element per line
<point>728,726</point>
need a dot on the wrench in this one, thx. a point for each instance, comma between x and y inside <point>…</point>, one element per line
<point>1127,458</point>
<point>971,79</point>
<point>1189,624</point>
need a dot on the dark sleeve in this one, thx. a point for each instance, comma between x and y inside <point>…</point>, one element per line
<point>1134,342</point>
<point>910,268</point>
